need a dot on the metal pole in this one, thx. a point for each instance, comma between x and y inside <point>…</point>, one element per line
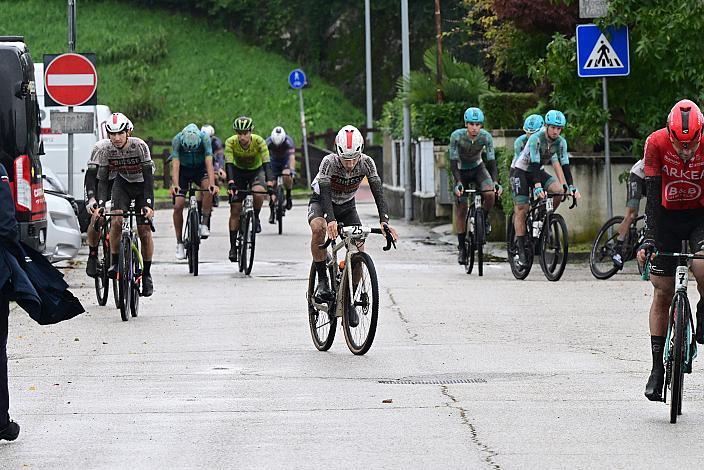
<point>408,197</point>
<point>71,48</point>
<point>607,152</point>
<point>439,94</point>
<point>368,47</point>
<point>305,137</point>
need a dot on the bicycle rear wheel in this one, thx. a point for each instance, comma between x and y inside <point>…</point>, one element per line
<point>553,243</point>
<point>469,242</point>
<point>519,271</point>
<point>194,235</point>
<point>600,258</point>
<point>135,281</point>
<point>280,208</point>
<point>242,240</point>
<point>361,304</point>
<point>248,244</point>
<point>479,239</point>
<point>323,325</point>
<point>102,281</point>
<point>678,341</point>
<point>124,275</point>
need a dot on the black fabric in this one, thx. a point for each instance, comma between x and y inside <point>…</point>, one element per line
<point>230,171</point>
<point>636,188</point>
<point>653,201</point>
<point>657,346</point>
<point>246,179</point>
<point>104,189</point>
<point>568,174</point>
<point>148,185</point>
<point>123,193</point>
<point>90,182</point>
<point>522,182</point>
<point>493,170</point>
<point>671,227</point>
<point>325,200</point>
<point>4,392</point>
<point>8,224</point>
<point>321,269</point>
<point>534,169</point>
<point>268,175</point>
<point>345,214</point>
<point>188,175</point>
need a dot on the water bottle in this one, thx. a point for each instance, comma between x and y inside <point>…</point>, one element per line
<point>537,225</point>
<point>471,224</point>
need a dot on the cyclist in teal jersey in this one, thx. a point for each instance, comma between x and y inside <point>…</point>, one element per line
<point>543,147</point>
<point>192,162</point>
<point>531,125</point>
<point>466,146</point>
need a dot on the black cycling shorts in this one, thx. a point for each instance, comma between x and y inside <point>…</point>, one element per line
<point>478,176</point>
<point>188,175</point>
<point>246,179</point>
<point>671,228</point>
<point>522,183</point>
<point>123,193</point>
<point>635,191</point>
<point>345,214</point>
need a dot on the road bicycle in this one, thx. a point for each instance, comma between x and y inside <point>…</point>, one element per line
<point>680,345</point>
<point>355,288</point>
<point>279,206</point>
<point>603,249</point>
<point>191,229</point>
<point>102,280</point>
<point>130,264</point>
<point>247,233</point>
<point>547,238</point>
<point>475,228</point>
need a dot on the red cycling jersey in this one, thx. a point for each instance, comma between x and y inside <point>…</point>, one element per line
<point>682,183</point>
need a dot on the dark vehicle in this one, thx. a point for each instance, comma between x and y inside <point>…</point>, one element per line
<point>20,144</point>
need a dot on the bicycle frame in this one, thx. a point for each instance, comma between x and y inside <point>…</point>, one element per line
<point>351,237</point>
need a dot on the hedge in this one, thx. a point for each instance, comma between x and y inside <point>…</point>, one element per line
<point>438,121</point>
<point>506,110</point>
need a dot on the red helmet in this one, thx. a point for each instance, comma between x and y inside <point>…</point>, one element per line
<point>684,123</point>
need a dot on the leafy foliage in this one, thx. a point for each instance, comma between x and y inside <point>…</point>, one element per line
<point>506,110</point>
<point>438,121</point>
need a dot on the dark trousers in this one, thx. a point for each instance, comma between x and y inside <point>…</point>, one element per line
<point>4,394</point>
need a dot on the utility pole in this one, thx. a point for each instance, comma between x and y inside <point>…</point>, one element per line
<point>440,96</point>
<point>368,49</point>
<point>406,59</point>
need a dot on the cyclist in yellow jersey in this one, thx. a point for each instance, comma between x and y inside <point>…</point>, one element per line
<point>247,166</point>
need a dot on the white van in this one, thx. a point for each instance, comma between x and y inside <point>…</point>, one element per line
<point>56,145</point>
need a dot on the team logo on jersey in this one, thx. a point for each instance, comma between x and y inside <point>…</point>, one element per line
<point>682,191</point>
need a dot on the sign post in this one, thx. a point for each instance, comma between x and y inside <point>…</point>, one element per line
<point>603,54</point>
<point>297,80</point>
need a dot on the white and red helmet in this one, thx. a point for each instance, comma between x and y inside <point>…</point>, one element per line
<point>349,143</point>
<point>118,122</point>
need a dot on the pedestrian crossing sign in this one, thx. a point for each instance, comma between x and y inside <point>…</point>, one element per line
<point>602,53</point>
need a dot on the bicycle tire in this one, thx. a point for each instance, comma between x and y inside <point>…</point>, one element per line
<point>135,281</point>
<point>469,244</point>
<point>602,249</point>
<point>116,293</point>
<point>359,338</point>
<point>323,325</point>
<point>280,210</point>
<point>102,281</point>
<point>679,315</point>
<point>242,241</point>
<point>124,276</point>
<point>187,244</point>
<point>518,271</point>
<point>479,239</point>
<point>194,235</point>
<point>251,244</point>
<point>554,236</point>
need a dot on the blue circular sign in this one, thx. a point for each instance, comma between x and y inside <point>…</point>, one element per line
<point>297,79</point>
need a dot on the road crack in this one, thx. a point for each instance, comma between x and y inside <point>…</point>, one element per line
<point>488,453</point>
<point>397,308</point>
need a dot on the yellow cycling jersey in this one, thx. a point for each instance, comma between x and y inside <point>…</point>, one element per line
<point>251,158</point>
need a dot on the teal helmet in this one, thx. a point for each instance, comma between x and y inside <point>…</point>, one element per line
<point>533,123</point>
<point>555,118</point>
<point>474,115</point>
<point>190,137</point>
<point>242,124</point>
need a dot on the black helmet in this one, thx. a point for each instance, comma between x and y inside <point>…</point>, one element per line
<point>243,123</point>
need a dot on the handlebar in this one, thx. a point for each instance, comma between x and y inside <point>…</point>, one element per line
<point>565,196</point>
<point>648,255</point>
<point>389,238</point>
<point>123,214</point>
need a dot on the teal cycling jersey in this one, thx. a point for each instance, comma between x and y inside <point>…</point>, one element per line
<point>468,152</point>
<point>540,149</point>
<point>192,158</point>
<point>518,146</point>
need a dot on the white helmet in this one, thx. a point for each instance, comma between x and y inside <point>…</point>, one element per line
<point>278,135</point>
<point>118,122</point>
<point>208,129</point>
<point>130,126</point>
<point>349,143</point>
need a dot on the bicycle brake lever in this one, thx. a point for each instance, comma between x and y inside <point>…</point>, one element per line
<point>574,203</point>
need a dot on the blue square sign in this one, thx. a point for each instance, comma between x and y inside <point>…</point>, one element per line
<point>602,53</point>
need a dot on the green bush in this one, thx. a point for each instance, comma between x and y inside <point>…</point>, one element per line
<point>437,121</point>
<point>506,110</point>
<point>504,156</point>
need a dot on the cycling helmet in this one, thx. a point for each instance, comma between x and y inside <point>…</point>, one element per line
<point>685,122</point>
<point>118,122</point>
<point>278,135</point>
<point>349,143</point>
<point>555,118</point>
<point>130,126</point>
<point>208,129</point>
<point>190,137</point>
<point>473,115</point>
<point>533,123</point>
<point>243,123</point>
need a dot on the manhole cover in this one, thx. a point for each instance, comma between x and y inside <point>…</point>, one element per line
<point>470,380</point>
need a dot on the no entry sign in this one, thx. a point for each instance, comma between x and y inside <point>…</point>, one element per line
<point>70,80</point>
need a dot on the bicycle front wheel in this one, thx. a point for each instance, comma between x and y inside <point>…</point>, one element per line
<point>553,244</point>
<point>361,304</point>
<point>124,275</point>
<point>469,242</point>
<point>519,271</point>
<point>242,240</point>
<point>135,281</point>
<point>323,324</point>
<point>600,258</point>
<point>248,240</point>
<point>479,239</point>
<point>102,281</point>
<point>678,342</point>
<point>194,235</point>
<point>280,208</point>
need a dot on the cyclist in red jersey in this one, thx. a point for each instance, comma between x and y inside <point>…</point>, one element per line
<point>674,211</point>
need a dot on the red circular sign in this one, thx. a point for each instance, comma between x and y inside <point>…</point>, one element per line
<point>70,79</point>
